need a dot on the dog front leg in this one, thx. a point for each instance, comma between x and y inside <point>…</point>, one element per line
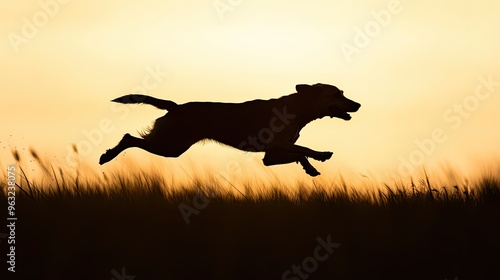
<point>310,170</point>
<point>273,158</point>
<point>293,149</point>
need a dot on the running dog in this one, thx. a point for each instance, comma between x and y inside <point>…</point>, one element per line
<point>270,126</point>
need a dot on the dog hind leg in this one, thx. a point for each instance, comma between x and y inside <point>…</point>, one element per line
<point>166,149</point>
<point>126,142</point>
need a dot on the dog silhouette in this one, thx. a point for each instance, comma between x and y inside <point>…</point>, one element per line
<point>270,126</point>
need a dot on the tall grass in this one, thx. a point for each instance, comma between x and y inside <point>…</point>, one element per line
<point>55,182</point>
<point>82,224</point>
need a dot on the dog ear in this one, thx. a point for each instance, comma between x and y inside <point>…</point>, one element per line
<point>308,89</point>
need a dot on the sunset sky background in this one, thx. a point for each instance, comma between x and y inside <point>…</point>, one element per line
<point>58,76</point>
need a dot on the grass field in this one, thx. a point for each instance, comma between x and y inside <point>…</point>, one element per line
<point>137,226</point>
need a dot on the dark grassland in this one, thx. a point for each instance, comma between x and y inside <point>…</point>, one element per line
<point>76,227</point>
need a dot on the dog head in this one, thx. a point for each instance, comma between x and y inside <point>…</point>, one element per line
<point>328,100</point>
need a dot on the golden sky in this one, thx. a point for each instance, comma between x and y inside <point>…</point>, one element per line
<point>426,73</point>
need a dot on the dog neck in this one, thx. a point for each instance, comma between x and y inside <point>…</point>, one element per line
<point>306,117</point>
<point>302,109</point>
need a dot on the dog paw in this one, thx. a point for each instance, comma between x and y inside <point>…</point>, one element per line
<point>102,159</point>
<point>312,172</point>
<point>322,156</point>
<point>105,158</point>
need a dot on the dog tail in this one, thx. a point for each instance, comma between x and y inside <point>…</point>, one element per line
<point>144,99</point>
